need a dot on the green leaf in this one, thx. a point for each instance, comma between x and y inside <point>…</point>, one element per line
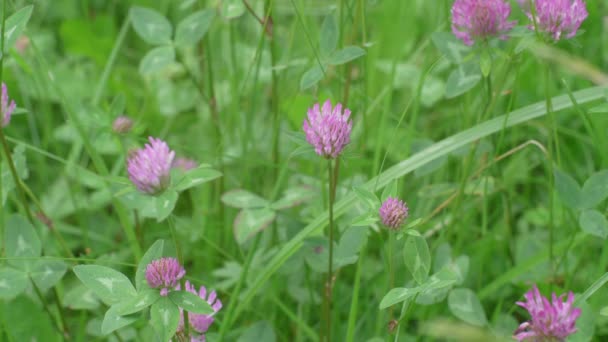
<point>15,24</point>
<point>398,295</point>
<point>462,79</point>
<point>595,190</point>
<point>164,317</point>
<point>232,9</point>
<point>157,59</point>
<point>311,77</point>
<point>436,288</point>
<point>453,49</point>
<point>144,299</point>
<point>367,197</point>
<point>112,321</point>
<point>258,332</point>
<point>196,177</point>
<point>585,324</point>
<point>350,244</point>
<point>12,282</point>
<point>248,222</point>
<point>151,26</point>
<point>603,108</point>
<point>365,220</point>
<point>593,222</point>
<point>192,28</point>
<point>345,55</point>
<point>405,167</point>
<point>80,297</point>
<point>109,285</point>
<point>243,199</point>
<point>156,251</point>
<point>24,319</point>
<point>165,203</point>
<point>47,273</point>
<point>135,200</point>
<point>568,189</point>
<point>465,305</point>
<point>328,39</point>
<point>293,197</point>
<point>417,257</point>
<point>21,242</point>
<point>190,302</point>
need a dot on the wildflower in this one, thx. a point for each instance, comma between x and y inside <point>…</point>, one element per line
<point>164,273</point>
<point>199,322</point>
<point>149,167</point>
<point>550,321</point>
<point>184,164</point>
<point>557,18</point>
<point>7,108</point>
<point>328,129</point>
<point>122,124</point>
<point>393,212</point>
<point>475,20</point>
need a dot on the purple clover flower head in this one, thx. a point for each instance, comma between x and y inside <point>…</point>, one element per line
<point>164,273</point>
<point>184,164</point>
<point>478,20</point>
<point>7,107</point>
<point>328,129</point>
<point>200,323</point>
<point>122,124</point>
<point>393,213</point>
<point>557,18</point>
<point>149,168</point>
<point>550,321</point>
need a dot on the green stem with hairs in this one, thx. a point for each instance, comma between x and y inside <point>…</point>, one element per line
<point>329,283</point>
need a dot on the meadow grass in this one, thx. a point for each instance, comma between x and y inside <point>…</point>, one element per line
<point>505,182</point>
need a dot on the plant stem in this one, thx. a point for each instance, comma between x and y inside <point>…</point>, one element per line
<point>46,308</point>
<point>352,315</point>
<point>329,282</point>
<point>13,170</point>
<point>553,152</point>
<point>66,332</point>
<point>218,132</point>
<point>391,270</point>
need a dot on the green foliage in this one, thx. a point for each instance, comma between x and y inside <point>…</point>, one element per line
<point>151,26</point>
<point>465,305</point>
<point>417,256</point>
<point>503,193</point>
<point>192,28</point>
